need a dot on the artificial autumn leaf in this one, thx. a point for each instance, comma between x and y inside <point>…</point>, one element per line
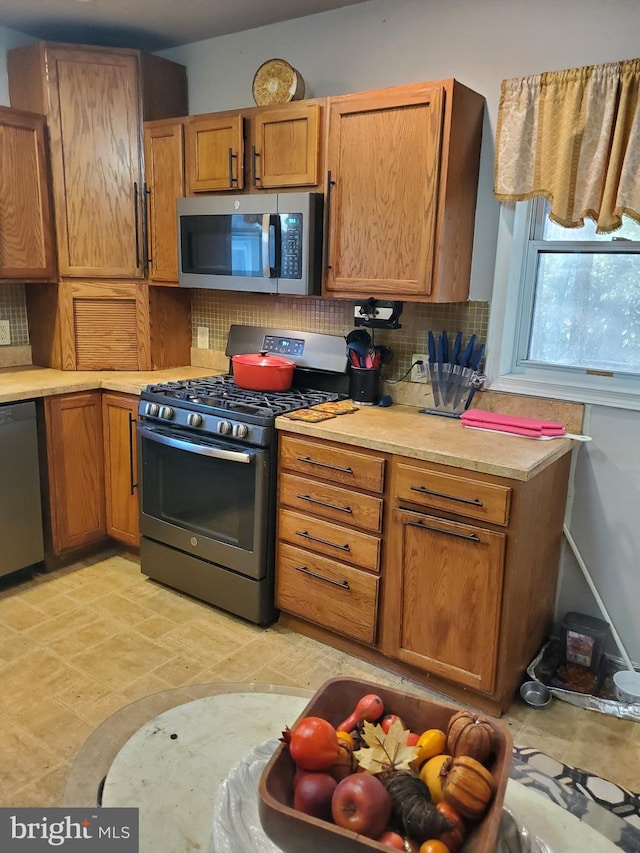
<point>385,751</point>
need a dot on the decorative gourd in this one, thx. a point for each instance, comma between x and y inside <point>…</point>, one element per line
<point>467,785</point>
<point>468,734</point>
<point>369,709</point>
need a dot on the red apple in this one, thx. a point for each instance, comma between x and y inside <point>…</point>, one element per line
<point>391,839</point>
<point>388,721</point>
<point>361,803</point>
<point>313,794</point>
<point>454,837</point>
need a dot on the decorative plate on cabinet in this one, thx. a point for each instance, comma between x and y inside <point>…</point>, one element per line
<point>277,82</point>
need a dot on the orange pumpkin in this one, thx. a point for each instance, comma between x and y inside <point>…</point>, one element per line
<point>468,734</point>
<point>467,785</point>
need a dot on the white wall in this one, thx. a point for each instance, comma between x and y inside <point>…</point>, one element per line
<point>480,42</point>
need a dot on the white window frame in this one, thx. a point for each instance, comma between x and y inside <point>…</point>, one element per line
<point>507,303</point>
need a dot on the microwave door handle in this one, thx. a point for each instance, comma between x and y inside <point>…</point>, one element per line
<point>201,449</point>
<point>270,222</point>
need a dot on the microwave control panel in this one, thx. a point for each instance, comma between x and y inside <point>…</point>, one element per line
<point>291,245</point>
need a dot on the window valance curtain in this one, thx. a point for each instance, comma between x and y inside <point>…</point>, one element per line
<point>573,137</point>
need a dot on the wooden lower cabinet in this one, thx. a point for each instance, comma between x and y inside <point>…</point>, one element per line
<point>74,472</point>
<point>119,418</point>
<point>329,536</point>
<point>461,595</point>
<point>445,591</point>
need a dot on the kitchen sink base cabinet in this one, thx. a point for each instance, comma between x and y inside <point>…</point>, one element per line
<point>461,594</point>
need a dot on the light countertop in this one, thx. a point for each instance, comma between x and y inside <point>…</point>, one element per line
<point>24,383</point>
<point>403,430</point>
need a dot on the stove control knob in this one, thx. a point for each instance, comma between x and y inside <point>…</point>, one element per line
<point>241,430</point>
<point>194,419</point>
<point>224,427</point>
<point>152,409</point>
<point>167,413</point>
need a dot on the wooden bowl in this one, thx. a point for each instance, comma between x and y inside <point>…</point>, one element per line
<point>294,831</point>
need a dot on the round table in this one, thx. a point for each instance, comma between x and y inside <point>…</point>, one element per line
<point>167,753</point>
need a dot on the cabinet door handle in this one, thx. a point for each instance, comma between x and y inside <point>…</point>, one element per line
<point>330,183</point>
<point>254,165</point>
<point>306,535</point>
<point>311,461</point>
<point>132,478</point>
<point>423,491</point>
<point>145,224</point>
<point>232,157</point>
<point>471,537</point>
<point>324,503</point>
<point>136,221</point>
<point>306,571</point>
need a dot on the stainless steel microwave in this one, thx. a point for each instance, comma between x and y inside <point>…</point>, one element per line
<point>268,243</point>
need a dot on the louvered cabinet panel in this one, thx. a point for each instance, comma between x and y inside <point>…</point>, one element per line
<point>105,334</point>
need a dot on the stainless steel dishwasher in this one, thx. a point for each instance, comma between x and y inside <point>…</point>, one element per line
<point>20,508</point>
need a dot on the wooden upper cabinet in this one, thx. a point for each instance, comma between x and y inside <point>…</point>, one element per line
<point>95,104</point>
<point>285,146</point>
<point>26,223</point>
<point>214,157</point>
<point>403,169</point>
<point>164,179</point>
<point>259,148</point>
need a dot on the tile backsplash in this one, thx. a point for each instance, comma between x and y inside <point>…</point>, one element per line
<point>13,308</point>
<point>217,310</point>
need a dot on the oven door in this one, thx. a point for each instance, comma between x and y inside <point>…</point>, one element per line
<point>207,497</point>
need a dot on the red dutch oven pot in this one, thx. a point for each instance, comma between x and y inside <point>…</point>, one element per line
<point>262,372</point>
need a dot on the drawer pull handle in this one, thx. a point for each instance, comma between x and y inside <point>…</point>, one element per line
<point>324,503</point>
<point>324,465</point>
<point>306,535</point>
<point>423,491</point>
<point>306,571</point>
<point>471,537</point>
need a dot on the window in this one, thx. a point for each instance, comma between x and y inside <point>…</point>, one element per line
<point>565,317</point>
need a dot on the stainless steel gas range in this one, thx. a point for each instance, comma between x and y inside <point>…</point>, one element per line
<point>208,455</point>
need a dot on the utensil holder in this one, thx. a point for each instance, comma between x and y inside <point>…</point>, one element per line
<point>364,385</point>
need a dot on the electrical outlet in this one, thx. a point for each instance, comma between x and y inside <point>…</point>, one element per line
<point>419,373</point>
<point>203,337</point>
<point>5,333</point>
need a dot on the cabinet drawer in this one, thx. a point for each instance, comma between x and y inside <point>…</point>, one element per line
<point>333,502</point>
<point>329,593</point>
<point>333,540</point>
<point>452,493</point>
<point>345,466</point>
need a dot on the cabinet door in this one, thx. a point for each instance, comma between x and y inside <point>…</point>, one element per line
<point>164,176</point>
<point>95,133</point>
<point>285,146</point>
<point>214,147</point>
<point>26,224</point>
<point>444,594</point>
<point>75,470</point>
<point>383,159</point>
<point>121,466</point>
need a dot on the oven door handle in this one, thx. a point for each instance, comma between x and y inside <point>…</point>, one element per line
<point>203,450</point>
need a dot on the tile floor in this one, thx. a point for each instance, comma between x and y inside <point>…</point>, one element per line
<point>79,644</point>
